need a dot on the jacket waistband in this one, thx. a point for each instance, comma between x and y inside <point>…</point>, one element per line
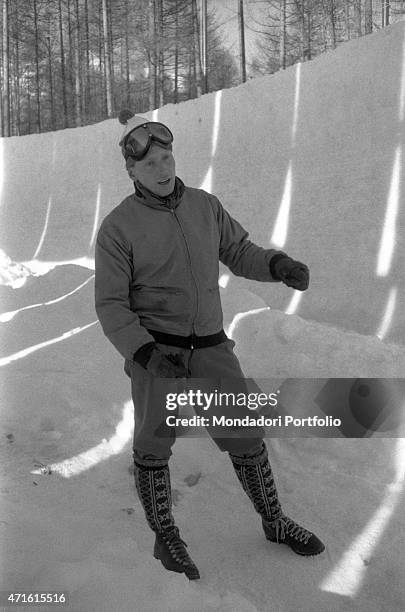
<point>189,342</point>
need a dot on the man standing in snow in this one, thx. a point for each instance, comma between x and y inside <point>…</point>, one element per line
<point>157,298</point>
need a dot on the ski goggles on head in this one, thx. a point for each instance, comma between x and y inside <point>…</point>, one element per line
<point>138,142</point>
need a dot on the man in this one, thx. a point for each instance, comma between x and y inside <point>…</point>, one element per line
<point>158,301</point>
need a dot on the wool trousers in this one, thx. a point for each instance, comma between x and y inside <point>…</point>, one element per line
<point>213,370</point>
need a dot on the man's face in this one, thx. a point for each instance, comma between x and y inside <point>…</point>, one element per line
<point>156,171</point>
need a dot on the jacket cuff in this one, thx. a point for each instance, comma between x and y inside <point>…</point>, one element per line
<point>143,354</point>
<point>273,261</point>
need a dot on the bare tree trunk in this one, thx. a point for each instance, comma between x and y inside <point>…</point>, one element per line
<point>197,60</point>
<point>301,12</point>
<point>107,60</point>
<point>308,50</point>
<point>151,54</point>
<point>103,94</point>
<point>17,74</point>
<point>191,66</point>
<point>204,40</point>
<point>63,69</point>
<point>6,76</point>
<point>324,35</point>
<point>78,79</point>
<point>242,42</point>
<point>304,10</point>
<point>331,9</point>
<point>156,54</point>
<point>161,68</point>
<point>194,80</point>
<point>176,56</point>
<point>110,40</point>
<point>368,16</point>
<point>357,8</point>
<point>86,79</point>
<point>29,110</point>
<point>50,76</point>
<point>127,69</point>
<point>37,79</point>
<point>307,16</point>
<point>282,34</point>
<point>49,15</point>
<point>347,21</point>
<point>385,12</point>
<point>70,54</point>
<point>122,51</point>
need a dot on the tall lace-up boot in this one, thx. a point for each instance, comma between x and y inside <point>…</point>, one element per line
<point>256,477</point>
<point>154,490</point>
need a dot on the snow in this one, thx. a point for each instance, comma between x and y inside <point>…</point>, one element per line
<point>310,161</point>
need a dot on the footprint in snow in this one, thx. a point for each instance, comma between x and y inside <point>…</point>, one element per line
<point>128,510</point>
<point>192,479</point>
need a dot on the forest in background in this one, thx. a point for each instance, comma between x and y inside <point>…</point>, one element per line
<point>67,63</point>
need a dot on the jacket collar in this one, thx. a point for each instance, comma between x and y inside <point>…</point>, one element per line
<point>151,199</point>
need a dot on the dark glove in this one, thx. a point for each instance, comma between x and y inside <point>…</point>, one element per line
<point>166,366</point>
<point>292,273</point>
<point>150,357</point>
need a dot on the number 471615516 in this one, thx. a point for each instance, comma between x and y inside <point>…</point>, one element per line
<point>8,598</point>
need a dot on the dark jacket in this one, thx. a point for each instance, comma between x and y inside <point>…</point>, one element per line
<point>157,266</point>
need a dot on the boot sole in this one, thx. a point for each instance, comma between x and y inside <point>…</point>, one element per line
<point>191,575</point>
<point>302,554</point>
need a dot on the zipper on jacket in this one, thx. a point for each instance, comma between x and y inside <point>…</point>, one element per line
<point>191,272</point>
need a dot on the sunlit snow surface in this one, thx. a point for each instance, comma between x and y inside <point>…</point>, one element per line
<point>310,161</point>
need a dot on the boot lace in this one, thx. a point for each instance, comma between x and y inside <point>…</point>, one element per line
<point>177,549</point>
<point>285,526</point>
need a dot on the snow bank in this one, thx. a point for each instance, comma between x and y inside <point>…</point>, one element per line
<point>315,151</point>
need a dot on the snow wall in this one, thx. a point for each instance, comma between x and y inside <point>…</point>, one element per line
<point>309,160</point>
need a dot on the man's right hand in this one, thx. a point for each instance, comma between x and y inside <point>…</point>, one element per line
<point>166,366</point>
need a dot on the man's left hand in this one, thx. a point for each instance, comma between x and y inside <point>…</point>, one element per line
<point>292,273</point>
